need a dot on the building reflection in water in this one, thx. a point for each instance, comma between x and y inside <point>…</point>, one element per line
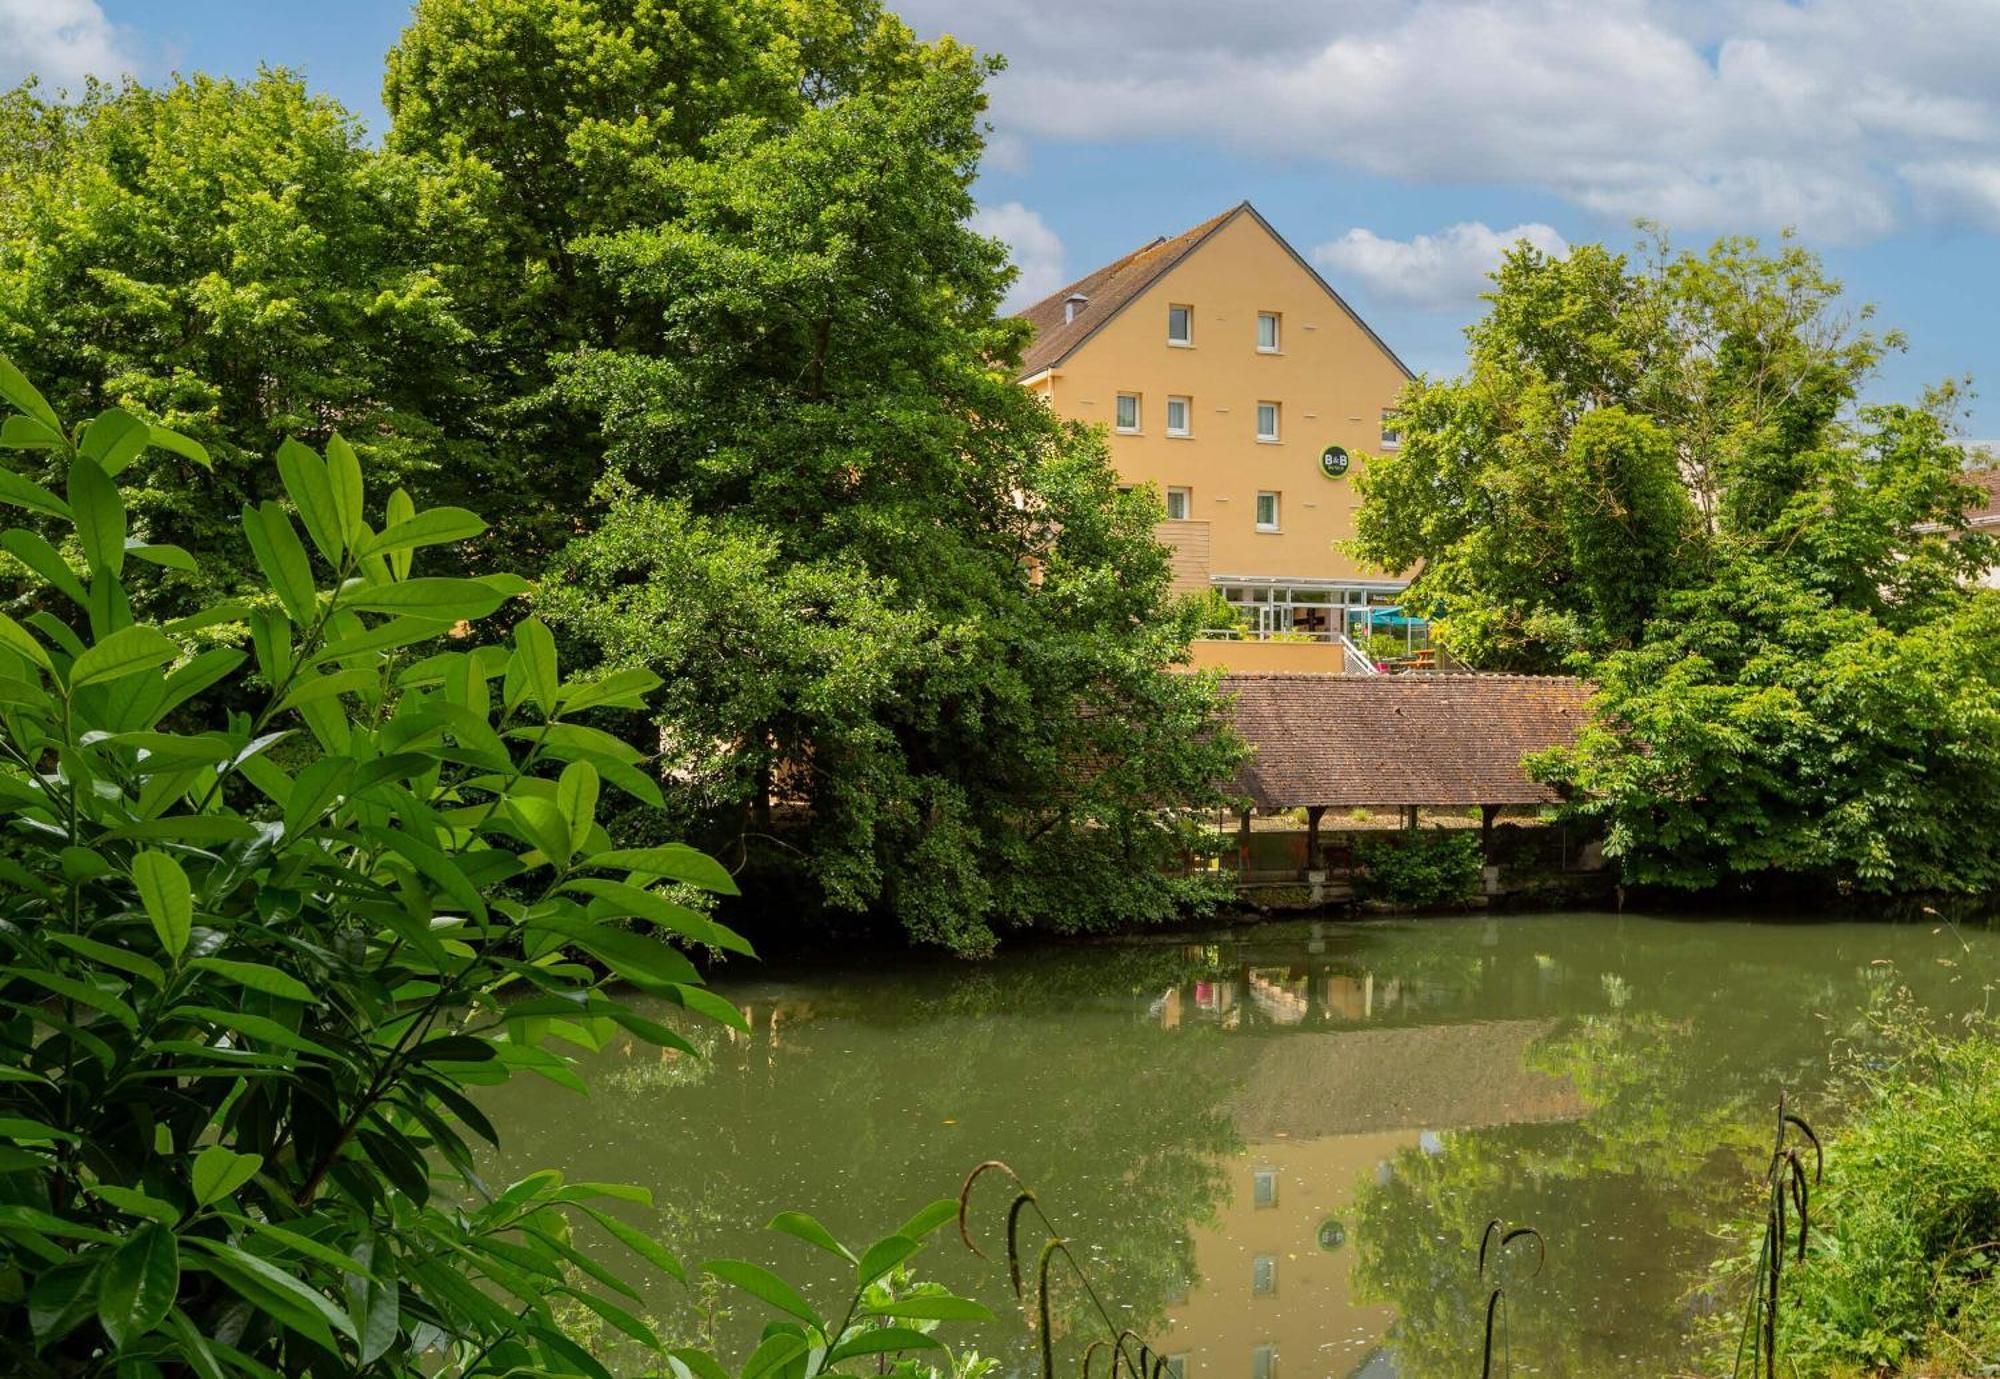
<point>1323,1114</point>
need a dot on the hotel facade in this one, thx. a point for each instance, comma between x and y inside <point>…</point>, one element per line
<point>1239,385</point>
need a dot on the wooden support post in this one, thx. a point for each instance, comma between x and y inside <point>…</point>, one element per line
<point>1487,814</point>
<point>1243,845</point>
<point>1410,817</point>
<point>1313,813</point>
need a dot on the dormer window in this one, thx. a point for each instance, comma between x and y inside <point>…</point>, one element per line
<point>1073,306</point>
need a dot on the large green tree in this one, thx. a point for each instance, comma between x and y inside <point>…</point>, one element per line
<point>1662,474</point>
<point>917,611</point>
<point>230,259</point>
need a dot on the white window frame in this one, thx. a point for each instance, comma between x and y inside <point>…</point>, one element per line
<point>1277,511</point>
<point>1392,434</point>
<point>1186,341</point>
<point>1186,495</point>
<point>1270,437</point>
<point>1138,414</point>
<point>1186,428</point>
<point>1277,320</point>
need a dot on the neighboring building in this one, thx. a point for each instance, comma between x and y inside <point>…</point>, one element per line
<point>1234,380</point>
<point>1986,516</point>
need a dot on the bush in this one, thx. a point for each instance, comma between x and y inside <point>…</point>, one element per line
<point>243,1009</point>
<point>1899,1275</point>
<point>1435,868</point>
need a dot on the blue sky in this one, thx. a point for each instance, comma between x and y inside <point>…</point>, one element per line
<point>1398,143</point>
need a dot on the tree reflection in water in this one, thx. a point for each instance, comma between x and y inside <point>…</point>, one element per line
<point>1276,1149</point>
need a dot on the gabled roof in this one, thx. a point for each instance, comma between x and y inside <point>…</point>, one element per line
<point>1115,286</point>
<point>1383,741</point>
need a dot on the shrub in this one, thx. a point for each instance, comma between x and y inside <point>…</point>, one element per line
<point>1435,868</point>
<point>1899,1274</point>
<point>243,1009</point>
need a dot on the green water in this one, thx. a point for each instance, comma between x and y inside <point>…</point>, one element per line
<point>1275,1149</point>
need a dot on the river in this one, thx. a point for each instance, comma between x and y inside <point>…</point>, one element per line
<point>1276,1148</point>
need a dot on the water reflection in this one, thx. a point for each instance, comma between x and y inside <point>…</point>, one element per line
<point>1277,1149</point>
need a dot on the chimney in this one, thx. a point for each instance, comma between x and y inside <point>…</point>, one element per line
<point>1073,304</point>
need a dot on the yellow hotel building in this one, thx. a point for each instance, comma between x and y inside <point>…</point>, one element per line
<point>1239,385</point>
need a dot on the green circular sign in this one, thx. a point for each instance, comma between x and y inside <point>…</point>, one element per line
<point>1333,462</point>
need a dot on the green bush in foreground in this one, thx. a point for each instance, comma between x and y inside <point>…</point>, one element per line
<point>1900,1270</point>
<point>242,1008</point>
<point>1436,868</point>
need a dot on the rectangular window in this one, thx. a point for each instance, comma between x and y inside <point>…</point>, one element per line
<point>1264,1276</point>
<point>1177,1366</point>
<point>1264,1182</point>
<point>1267,332</point>
<point>1264,1362</point>
<point>1267,520</point>
<point>1178,410</point>
<point>1267,421</point>
<point>1392,430</point>
<point>1180,324</point>
<point>1128,412</point>
<point>1180,502</point>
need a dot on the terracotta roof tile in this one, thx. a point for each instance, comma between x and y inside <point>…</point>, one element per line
<point>1108,289</point>
<point>1988,513</point>
<point>1394,740</point>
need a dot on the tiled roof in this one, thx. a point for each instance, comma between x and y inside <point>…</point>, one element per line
<point>1988,513</point>
<point>1393,740</point>
<point>1108,289</point>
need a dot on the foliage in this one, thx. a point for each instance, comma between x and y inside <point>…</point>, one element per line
<point>229,259</point>
<point>1660,476</point>
<point>1438,867</point>
<point>899,605</point>
<point>246,1009</point>
<point>1900,1269</point>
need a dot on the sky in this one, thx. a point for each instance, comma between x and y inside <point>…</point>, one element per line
<point>1399,144</point>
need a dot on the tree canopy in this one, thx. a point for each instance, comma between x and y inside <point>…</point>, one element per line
<point>1663,475</point>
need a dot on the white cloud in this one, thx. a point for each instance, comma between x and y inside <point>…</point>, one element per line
<point>60,41</point>
<point>1964,191</point>
<point>1037,250</point>
<point>1841,117</point>
<point>1444,271</point>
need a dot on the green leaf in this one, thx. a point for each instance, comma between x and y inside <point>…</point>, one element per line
<point>343,472</point>
<point>930,1218</point>
<point>135,1203</point>
<point>21,1128</point>
<point>15,637</point>
<point>542,820</point>
<point>270,1288</point>
<point>884,1255</point>
<point>774,1353</point>
<point>280,555</point>
<point>163,889</point>
<point>803,1227</point>
<point>762,1283</point>
<point>431,527</point>
<point>932,1307</point>
<point>26,493</point>
<point>639,960</point>
<point>112,955</point>
<point>115,439</point>
<point>38,555</point>
<point>188,828</point>
<point>881,1340</point>
<point>218,1172</point>
<point>399,510</point>
<point>174,443</point>
<point>304,477</point>
<point>537,646</point>
<point>671,862</point>
<point>309,689</point>
<point>125,652</point>
<point>22,395</point>
<point>139,1284</point>
<point>317,787</point>
<point>99,514</point>
<point>167,557</point>
<point>447,600</point>
<point>638,1242</point>
<point>25,433</point>
<point>626,689</point>
<point>618,900</point>
<point>576,796</point>
<point>257,977</point>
